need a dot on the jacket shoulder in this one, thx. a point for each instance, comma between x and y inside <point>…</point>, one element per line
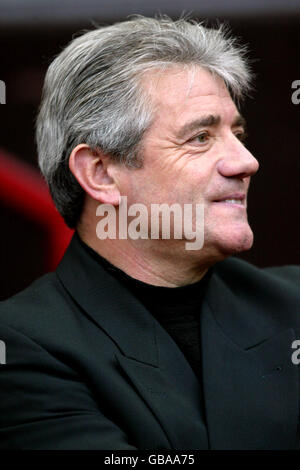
<point>37,308</point>
<point>245,279</point>
<point>286,273</point>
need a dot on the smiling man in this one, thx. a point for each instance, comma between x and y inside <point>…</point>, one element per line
<point>137,342</point>
<point>192,154</point>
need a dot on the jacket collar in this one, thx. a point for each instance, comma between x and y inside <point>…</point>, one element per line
<point>106,301</point>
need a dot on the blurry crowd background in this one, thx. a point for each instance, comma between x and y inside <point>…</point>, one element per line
<point>32,32</point>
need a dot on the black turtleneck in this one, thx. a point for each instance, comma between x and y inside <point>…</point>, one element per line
<point>177,309</point>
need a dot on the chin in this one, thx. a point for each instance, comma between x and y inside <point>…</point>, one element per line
<point>231,242</point>
<point>237,243</point>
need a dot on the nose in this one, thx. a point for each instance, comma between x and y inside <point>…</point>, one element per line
<point>238,162</point>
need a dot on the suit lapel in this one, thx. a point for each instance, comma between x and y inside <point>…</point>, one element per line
<point>149,357</point>
<point>173,394</point>
<point>250,384</point>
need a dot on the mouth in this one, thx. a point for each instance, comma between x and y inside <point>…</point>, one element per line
<point>232,200</point>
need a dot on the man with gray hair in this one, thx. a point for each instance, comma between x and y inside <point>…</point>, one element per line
<point>136,342</point>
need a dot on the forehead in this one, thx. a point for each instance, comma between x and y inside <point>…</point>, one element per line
<point>181,94</point>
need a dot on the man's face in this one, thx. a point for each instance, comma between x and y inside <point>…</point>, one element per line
<point>193,154</point>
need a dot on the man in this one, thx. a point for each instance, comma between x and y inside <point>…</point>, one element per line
<point>138,342</point>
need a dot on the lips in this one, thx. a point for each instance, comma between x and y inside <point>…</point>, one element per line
<point>239,197</point>
<point>232,200</point>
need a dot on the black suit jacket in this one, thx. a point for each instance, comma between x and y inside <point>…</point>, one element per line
<point>88,367</point>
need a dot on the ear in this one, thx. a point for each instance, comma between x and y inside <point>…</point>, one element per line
<point>93,171</point>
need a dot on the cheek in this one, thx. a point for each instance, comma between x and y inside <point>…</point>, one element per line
<point>146,188</point>
<point>183,182</point>
<point>195,185</point>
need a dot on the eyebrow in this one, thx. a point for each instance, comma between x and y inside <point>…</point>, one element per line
<point>207,121</point>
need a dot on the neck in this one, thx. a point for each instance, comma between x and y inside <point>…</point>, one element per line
<point>153,262</point>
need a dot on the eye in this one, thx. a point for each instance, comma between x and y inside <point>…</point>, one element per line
<point>201,138</point>
<point>241,135</point>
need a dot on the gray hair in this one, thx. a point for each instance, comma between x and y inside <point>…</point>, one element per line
<point>92,92</point>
